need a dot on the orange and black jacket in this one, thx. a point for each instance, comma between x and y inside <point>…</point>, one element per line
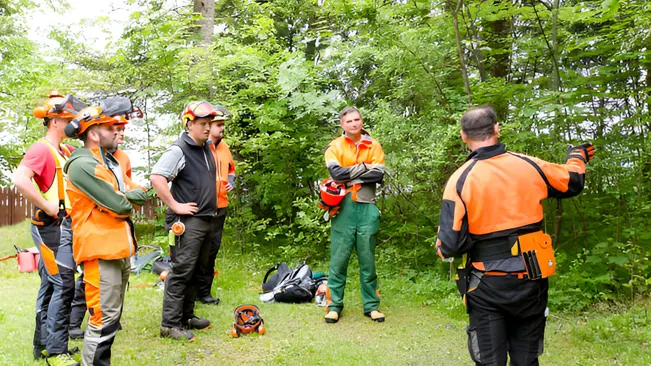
<point>498,194</point>
<point>101,224</point>
<point>360,166</point>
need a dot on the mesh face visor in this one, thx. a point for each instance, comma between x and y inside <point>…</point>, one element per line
<point>69,104</point>
<point>116,106</point>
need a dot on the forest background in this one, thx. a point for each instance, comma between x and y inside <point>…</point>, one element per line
<point>557,72</point>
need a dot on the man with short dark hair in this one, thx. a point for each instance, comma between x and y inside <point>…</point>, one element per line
<point>492,215</point>
<point>192,202</point>
<point>356,160</point>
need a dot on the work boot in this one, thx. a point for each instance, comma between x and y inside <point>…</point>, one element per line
<point>63,359</point>
<point>197,323</point>
<point>209,300</point>
<point>376,316</point>
<point>75,333</point>
<point>176,333</point>
<point>332,317</point>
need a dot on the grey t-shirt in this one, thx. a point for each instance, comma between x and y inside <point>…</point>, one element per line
<point>170,163</point>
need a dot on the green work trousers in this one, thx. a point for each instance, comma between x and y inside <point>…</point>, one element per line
<point>355,226</point>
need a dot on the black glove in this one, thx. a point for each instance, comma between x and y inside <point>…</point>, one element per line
<point>584,152</point>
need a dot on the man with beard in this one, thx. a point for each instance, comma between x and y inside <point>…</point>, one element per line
<point>103,232</point>
<point>225,183</point>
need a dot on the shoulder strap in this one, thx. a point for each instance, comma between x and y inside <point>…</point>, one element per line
<point>59,174</point>
<point>66,151</point>
<point>266,276</point>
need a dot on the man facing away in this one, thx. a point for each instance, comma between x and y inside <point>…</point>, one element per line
<point>492,215</point>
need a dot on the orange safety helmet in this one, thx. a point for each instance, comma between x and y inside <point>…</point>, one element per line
<point>247,320</point>
<point>58,106</point>
<point>86,117</point>
<point>199,109</point>
<point>104,113</point>
<point>120,121</point>
<point>331,192</point>
<point>222,113</point>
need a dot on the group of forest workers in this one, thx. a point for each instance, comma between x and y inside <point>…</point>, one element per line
<point>491,216</point>
<point>84,199</point>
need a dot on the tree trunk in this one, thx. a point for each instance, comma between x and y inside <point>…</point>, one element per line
<point>556,77</point>
<point>500,44</point>
<point>476,49</point>
<point>462,61</point>
<point>206,23</point>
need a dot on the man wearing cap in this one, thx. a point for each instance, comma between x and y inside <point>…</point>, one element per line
<point>41,180</point>
<point>104,236</point>
<point>225,183</point>
<point>192,203</point>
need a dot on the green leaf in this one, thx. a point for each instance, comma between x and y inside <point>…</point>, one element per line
<point>618,260</point>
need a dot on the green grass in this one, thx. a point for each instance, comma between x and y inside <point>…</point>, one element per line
<point>425,324</point>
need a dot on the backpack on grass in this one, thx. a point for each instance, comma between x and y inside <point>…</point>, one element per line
<point>288,285</point>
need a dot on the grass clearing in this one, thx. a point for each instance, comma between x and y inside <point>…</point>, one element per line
<point>425,324</point>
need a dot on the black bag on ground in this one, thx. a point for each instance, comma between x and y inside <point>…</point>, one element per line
<point>288,285</point>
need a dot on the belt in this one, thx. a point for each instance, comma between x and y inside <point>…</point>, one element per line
<point>519,275</point>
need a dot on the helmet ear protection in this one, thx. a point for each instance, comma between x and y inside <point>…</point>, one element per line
<point>85,118</point>
<point>108,108</point>
<point>72,129</point>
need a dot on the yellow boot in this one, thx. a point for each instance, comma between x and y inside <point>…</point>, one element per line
<point>376,316</point>
<point>332,317</point>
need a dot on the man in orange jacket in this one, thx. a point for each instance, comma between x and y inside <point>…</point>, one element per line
<point>225,183</point>
<point>492,215</point>
<point>101,210</point>
<point>79,302</point>
<point>356,160</point>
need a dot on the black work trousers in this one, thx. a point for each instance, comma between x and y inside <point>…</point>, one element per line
<point>191,257</point>
<point>205,279</point>
<point>507,315</point>
<point>78,311</point>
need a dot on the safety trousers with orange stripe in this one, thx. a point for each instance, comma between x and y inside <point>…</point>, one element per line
<point>105,283</point>
<point>53,238</point>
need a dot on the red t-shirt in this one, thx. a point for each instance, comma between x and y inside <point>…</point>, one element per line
<point>39,159</point>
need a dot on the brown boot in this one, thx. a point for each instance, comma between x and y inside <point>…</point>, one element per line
<point>376,316</point>
<point>332,317</point>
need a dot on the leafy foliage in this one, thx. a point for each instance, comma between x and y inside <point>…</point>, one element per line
<point>579,72</point>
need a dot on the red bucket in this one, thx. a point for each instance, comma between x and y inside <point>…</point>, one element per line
<point>28,260</point>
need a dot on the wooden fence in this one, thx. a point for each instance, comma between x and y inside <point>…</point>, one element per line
<point>14,208</point>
